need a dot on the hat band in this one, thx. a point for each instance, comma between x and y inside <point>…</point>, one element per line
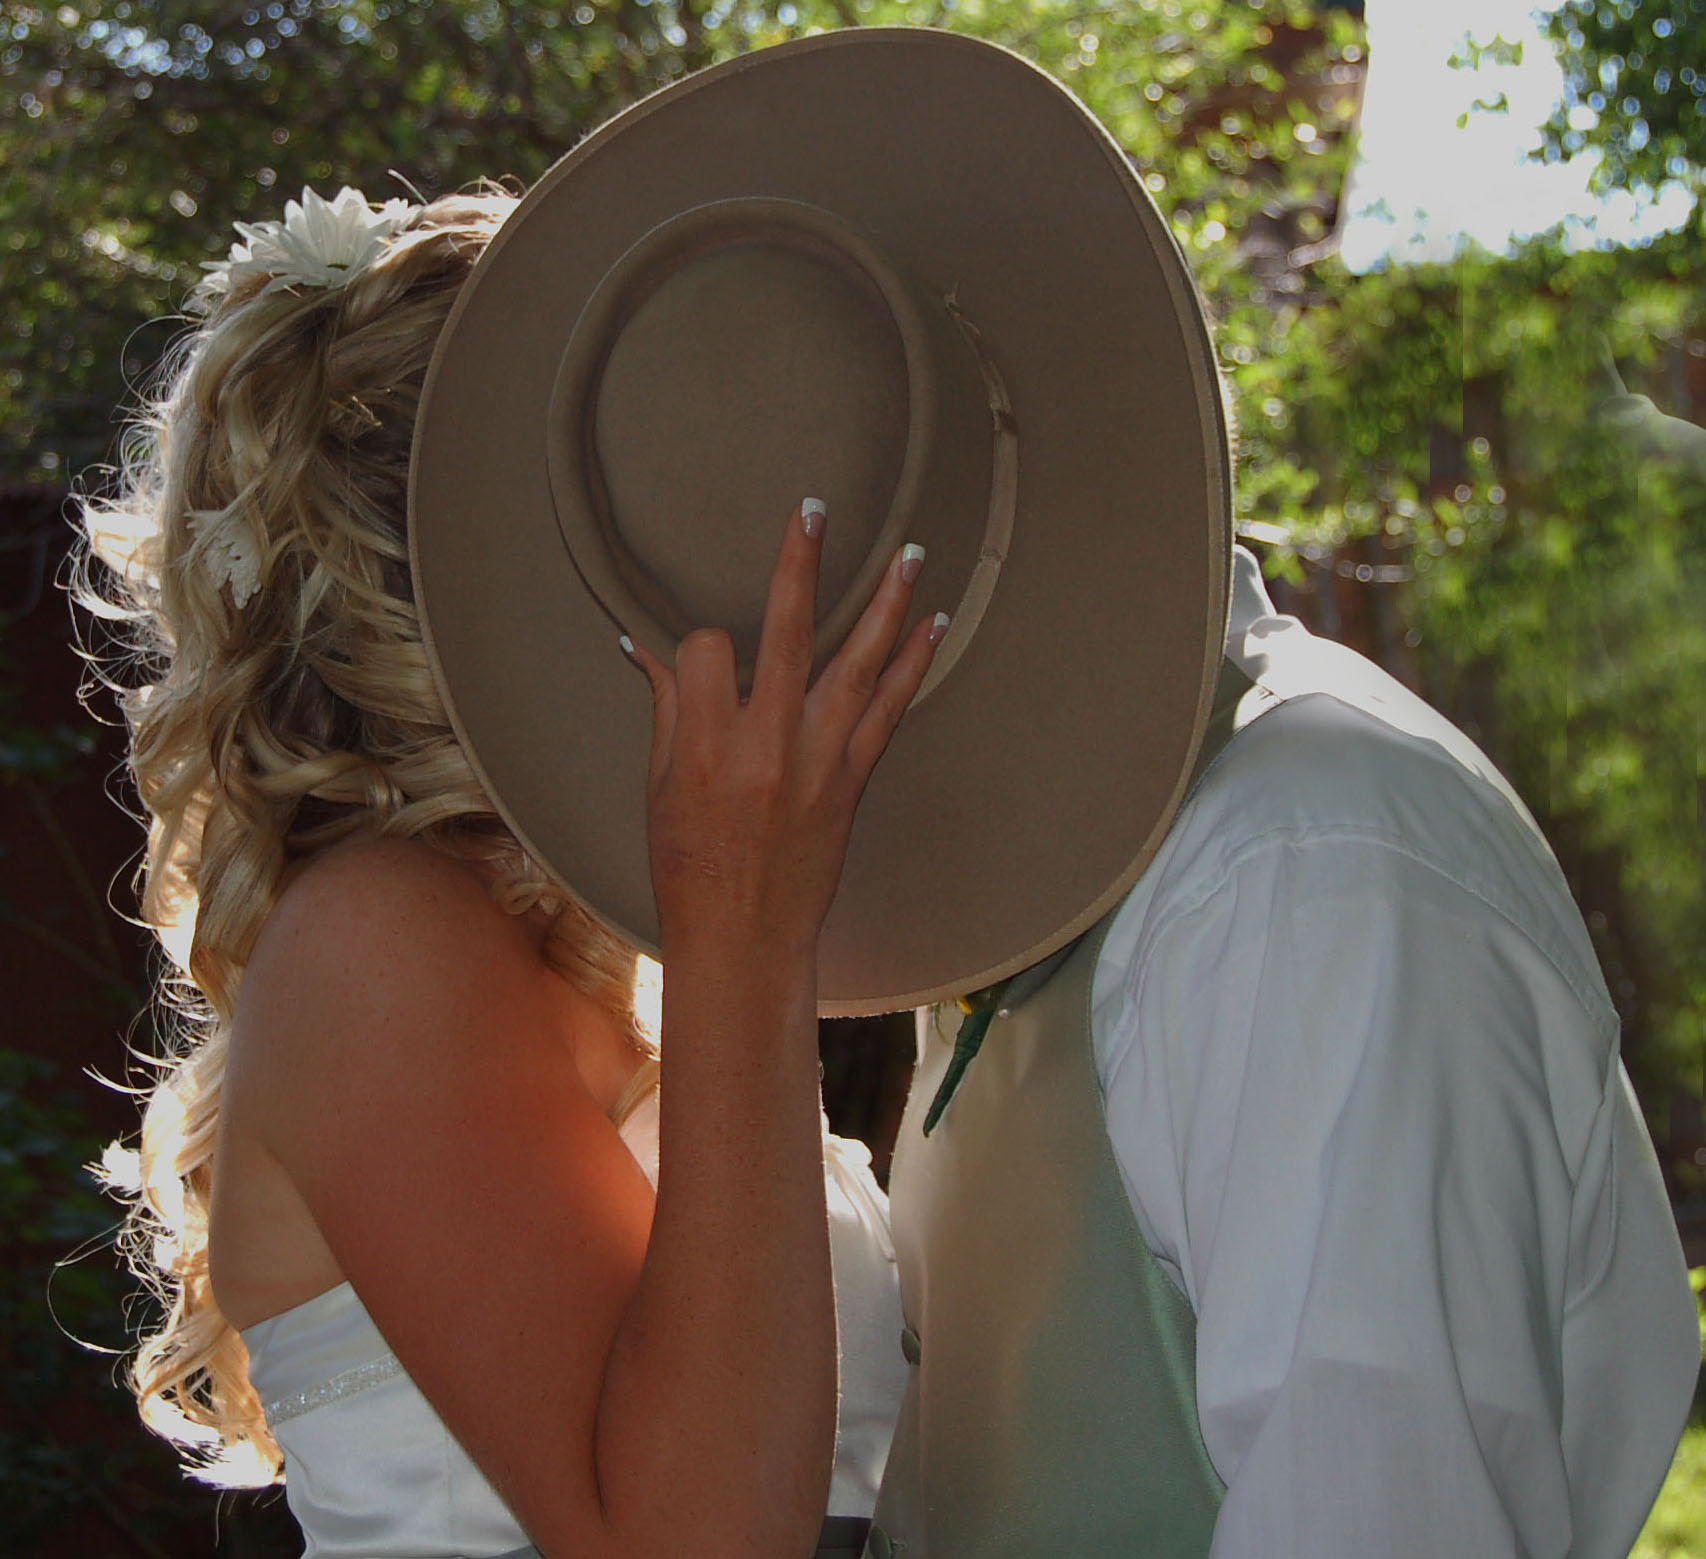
<point>1003,506</point>
<point>793,356</point>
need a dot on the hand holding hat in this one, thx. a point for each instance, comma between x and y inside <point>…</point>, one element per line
<point>752,799</point>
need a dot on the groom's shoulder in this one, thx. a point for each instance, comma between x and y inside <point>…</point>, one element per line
<point>1336,743</point>
<point>1344,770</point>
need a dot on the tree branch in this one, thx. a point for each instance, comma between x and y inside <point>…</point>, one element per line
<point>48,937</point>
<point>80,880</point>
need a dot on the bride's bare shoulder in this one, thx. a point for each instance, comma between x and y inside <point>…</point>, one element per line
<point>378,927</point>
<point>370,886</point>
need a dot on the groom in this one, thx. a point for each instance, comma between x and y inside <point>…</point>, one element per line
<point>1302,1209</point>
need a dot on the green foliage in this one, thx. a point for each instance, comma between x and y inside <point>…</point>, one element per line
<point>1678,1519</point>
<point>1635,89</point>
<point>133,133</point>
<point>1576,598</point>
<point>1340,412</point>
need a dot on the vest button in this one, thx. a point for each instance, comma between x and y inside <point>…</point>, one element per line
<point>910,1348</point>
<point>880,1546</point>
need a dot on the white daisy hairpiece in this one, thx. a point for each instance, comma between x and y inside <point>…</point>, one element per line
<point>320,243</point>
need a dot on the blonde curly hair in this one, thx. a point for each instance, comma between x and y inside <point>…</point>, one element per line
<point>262,735</point>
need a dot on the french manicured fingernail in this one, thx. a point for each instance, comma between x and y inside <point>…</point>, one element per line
<point>938,627</point>
<point>911,561</point>
<point>627,646</point>
<point>812,512</point>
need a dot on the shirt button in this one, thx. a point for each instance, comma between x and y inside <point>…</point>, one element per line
<point>910,1349</point>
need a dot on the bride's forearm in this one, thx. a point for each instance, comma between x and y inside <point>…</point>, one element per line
<point>716,1420</point>
<point>716,1423</point>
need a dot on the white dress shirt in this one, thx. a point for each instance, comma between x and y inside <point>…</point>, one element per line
<point>1361,1076</point>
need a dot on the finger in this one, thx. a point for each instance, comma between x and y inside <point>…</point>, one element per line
<point>706,692</point>
<point>665,702</point>
<point>784,664</point>
<point>896,689</point>
<point>849,681</point>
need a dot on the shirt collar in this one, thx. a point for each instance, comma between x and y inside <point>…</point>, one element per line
<point>1250,600</point>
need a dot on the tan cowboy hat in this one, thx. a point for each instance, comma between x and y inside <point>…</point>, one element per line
<point>907,272</point>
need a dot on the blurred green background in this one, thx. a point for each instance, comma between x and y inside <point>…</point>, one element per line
<point>1487,473</point>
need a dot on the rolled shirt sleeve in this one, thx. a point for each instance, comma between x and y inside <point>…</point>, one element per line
<point>1363,1086</point>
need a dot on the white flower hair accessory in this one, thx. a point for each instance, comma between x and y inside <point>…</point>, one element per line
<point>320,243</point>
<point>231,551</point>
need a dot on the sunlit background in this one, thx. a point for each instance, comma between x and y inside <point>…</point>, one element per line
<point>1445,150</point>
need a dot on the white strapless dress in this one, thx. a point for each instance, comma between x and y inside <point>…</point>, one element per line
<point>371,1472</point>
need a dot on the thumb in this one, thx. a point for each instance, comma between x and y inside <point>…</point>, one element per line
<point>662,681</point>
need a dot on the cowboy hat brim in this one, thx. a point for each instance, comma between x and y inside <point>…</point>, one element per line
<point>1023,798</point>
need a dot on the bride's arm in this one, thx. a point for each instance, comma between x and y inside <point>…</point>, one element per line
<point>626,1397</point>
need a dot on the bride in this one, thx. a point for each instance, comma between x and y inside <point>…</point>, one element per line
<point>399,1182</point>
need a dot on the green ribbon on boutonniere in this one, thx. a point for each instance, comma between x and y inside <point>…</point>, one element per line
<point>981,1008</point>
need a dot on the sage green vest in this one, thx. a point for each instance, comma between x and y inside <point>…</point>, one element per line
<point>1052,1405</point>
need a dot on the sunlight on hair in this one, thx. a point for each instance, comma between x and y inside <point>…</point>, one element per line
<point>244,1465</point>
<point>176,932</point>
<point>119,1169</point>
<point>648,999</point>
